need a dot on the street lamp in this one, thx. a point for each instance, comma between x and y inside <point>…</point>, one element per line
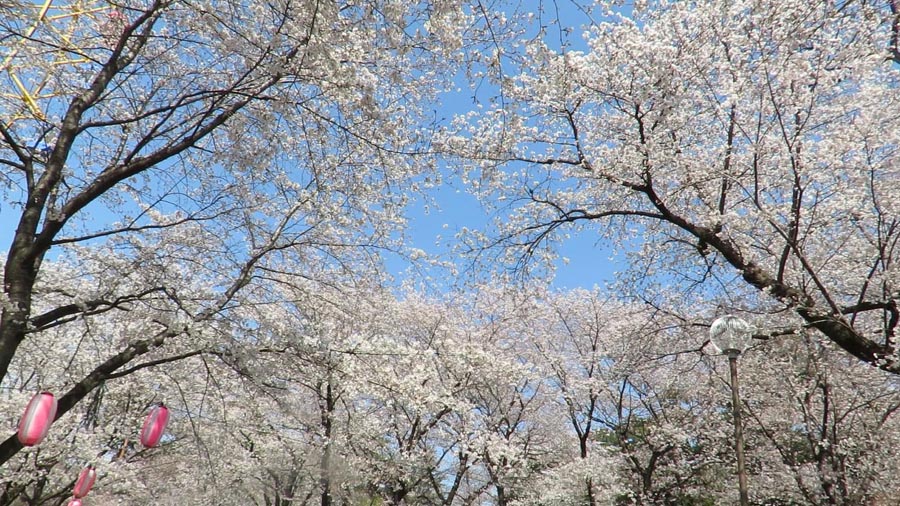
<point>730,336</point>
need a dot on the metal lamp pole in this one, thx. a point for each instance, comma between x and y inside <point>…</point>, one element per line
<point>738,428</point>
<point>731,336</point>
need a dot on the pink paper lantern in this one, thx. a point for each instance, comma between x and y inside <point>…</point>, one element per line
<point>85,482</point>
<point>75,502</point>
<point>37,418</point>
<point>154,426</point>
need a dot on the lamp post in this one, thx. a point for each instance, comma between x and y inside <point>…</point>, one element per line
<point>731,336</point>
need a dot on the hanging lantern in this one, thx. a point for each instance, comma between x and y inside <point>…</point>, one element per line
<point>36,420</point>
<point>85,482</point>
<point>75,502</point>
<point>154,426</point>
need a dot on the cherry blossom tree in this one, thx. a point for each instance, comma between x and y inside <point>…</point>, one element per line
<point>637,398</point>
<point>751,146</point>
<point>822,424</point>
<point>203,194</point>
<point>188,150</point>
<point>314,394</point>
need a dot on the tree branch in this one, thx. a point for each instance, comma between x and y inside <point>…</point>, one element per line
<point>44,320</point>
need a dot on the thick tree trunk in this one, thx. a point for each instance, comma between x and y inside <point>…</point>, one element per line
<point>18,283</point>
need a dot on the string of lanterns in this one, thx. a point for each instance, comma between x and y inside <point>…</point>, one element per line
<point>40,414</point>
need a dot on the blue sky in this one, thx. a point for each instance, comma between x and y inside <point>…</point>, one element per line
<point>432,229</point>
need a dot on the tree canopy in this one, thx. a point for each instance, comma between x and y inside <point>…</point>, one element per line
<point>200,198</point>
